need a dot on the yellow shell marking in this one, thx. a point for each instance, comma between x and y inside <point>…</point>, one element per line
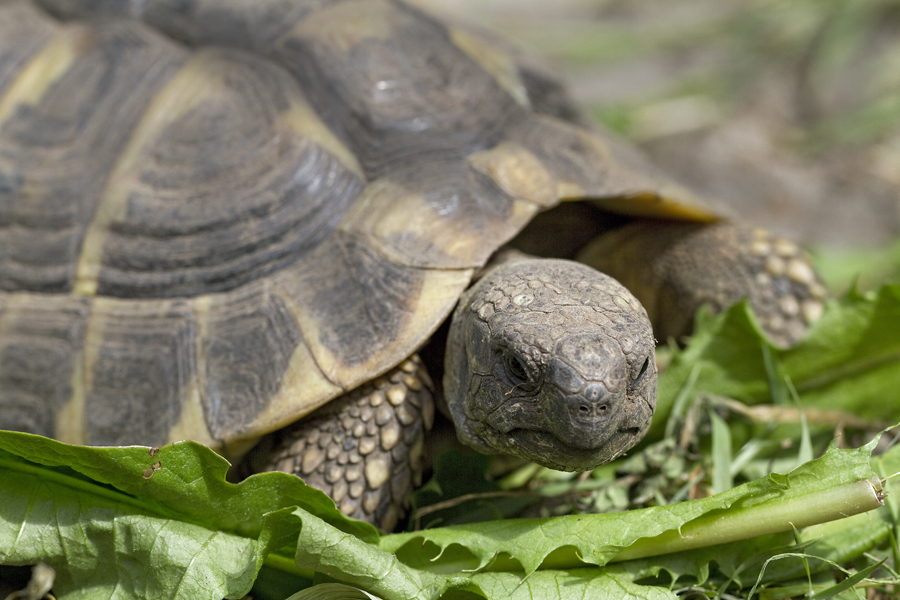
<point>495,61</point>
<point>191,424</point>
<point>70,419</point>
<point>385,210</point>
<point>567,190</point>
<point>517,172</point>
<point>344,26</point>
<point>45,68</point>
<point>670,201</point>
<point>70,424</point>
<point>304,120</point>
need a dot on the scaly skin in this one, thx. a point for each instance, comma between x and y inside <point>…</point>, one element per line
<point>551,361</point>
<point>363,449</point>
<point>674,268</point>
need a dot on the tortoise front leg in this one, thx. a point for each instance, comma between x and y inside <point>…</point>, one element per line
<point>364,449</point>
<point>674,268</point>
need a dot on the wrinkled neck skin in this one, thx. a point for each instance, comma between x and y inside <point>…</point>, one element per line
<point>552,361</point>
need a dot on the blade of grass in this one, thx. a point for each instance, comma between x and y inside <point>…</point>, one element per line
<point>847,583</point>
<point>805,453</point>
<point>721,453</point>
<point>775,374</point>
<point>679,405</point>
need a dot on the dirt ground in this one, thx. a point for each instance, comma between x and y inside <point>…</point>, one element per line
<point>787,111</point>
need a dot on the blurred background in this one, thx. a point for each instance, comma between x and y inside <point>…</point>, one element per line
<point>788,111</point>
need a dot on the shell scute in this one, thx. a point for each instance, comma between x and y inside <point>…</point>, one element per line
<point>392,84</point>
<point>139,367</point>
<point>40,348</point>
<point>247,342</point>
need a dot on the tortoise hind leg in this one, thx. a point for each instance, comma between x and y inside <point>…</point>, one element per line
<point>674,268</point>
<point>364,449</point>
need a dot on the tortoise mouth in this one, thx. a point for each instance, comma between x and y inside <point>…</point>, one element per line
<point>546,449</point>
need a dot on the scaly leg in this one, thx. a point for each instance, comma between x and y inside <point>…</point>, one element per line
<point>364,449</point>
<point>674,268</point>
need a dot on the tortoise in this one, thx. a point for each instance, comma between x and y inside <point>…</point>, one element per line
<point>227,221</point>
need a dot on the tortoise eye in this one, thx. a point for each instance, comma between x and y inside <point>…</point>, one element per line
<point>640,375</point>
<point>515,366</point>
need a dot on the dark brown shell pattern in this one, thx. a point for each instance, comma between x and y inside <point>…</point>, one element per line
<point>217,216</point>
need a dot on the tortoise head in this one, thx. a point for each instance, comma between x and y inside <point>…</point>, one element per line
<point>552,361</point>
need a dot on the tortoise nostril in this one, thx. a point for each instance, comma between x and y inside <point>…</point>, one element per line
<point>585,409</point>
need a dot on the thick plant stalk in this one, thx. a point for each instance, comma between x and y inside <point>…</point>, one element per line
<point>774,516</point>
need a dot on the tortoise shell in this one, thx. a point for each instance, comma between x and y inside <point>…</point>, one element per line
<point>217,216</point>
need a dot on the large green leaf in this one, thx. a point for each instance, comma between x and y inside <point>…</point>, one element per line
<point>185,479</point>
<point>772,504</point>
<point>140,523</point>
<point>348,559</point>
<point>574,584</point>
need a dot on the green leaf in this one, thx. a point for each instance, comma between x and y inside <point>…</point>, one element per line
<point>189,482</point>
<point>835,542</point>
<point>348,559</point>
<point>332,591</point>
<point>812,493</point>
<point>166,525</point>
<point>575,584</point>
<point>109,546</point>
